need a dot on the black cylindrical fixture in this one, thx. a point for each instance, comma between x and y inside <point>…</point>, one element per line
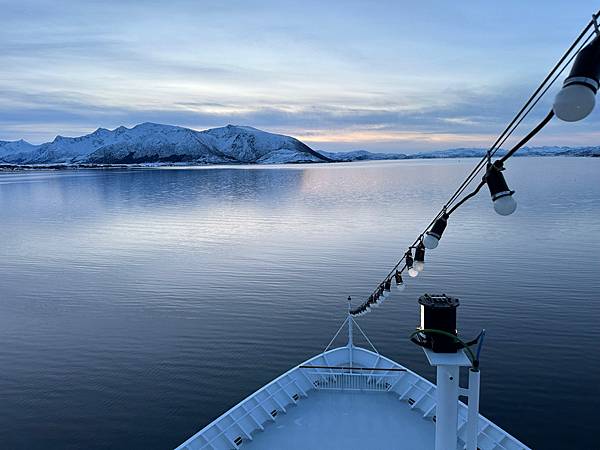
<point>409,259</point>
<point>398,277</point>
<point>577,98</point>
<point>438,312</point>
<point>388,284</point>
<point>420,253</point>
<point>438,227</point>
<point>496,182</point>
<point>586,68</point>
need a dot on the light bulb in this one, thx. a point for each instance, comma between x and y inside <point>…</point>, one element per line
<point>399,281</point>
<point>430,241</point>
<point>419,261</point>
<point>504,203</point>
<point>574,102</point>
<point>387,286</point>
<point>505,206</point>
<point>433,236</point>
<point>409,264</point>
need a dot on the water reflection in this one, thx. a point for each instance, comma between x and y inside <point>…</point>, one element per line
<point>136,305</point>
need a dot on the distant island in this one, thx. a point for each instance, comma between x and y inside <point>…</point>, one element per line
<point>151,143</point>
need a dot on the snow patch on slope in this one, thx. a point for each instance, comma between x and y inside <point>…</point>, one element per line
<point>151,142</point>
<point>156,143</point>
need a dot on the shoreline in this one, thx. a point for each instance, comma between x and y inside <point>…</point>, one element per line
<point>4,167</point>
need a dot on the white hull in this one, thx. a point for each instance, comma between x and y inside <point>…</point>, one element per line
<point>341,408</point>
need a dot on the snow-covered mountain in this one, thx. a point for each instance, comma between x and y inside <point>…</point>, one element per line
<point>361,155</point>
<point>151,142</point>
<point>155,143</point>
<point>525,151</point>
<point>8,148</point>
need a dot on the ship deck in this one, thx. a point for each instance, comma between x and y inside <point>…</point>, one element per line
<point>347,420</point>
<point>325,404</point>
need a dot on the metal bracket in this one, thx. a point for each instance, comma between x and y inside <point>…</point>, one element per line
<point>595,23</point>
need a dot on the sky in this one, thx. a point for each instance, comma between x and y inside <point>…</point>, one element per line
<point>397,76</point>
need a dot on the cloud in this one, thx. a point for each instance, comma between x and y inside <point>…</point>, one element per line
<point>387,75</point>
<point>470,120</point>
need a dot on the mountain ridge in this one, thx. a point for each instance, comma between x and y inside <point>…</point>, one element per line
<point>157,143</point>
<point>150,142</point>
<point>364,155</point>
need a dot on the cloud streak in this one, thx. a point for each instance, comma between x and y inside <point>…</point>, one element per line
<point>390,76</point>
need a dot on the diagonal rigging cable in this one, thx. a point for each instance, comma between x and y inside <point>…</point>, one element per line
<point>485,161</point>
<point>520,144</point>
<point>516,121</point>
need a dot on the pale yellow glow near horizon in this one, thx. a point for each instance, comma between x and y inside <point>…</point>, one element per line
<point>360,136</point>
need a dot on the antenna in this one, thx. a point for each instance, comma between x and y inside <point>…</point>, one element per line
<point>350,337</point>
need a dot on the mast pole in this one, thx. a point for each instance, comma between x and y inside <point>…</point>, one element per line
<point>350,331</point>
<point>446,423</point>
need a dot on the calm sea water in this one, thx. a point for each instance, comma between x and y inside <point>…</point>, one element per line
<point>138,305</point>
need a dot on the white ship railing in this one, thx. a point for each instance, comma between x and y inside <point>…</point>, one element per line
<point>253,414</point>
<point>346,381</point>
<point>248,413</point>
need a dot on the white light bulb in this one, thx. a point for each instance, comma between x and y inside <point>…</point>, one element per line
<point>574,102</point>
<point>430,242</point>
<point>401,286</point>
<point>419,266</point>
<point>413,272</point>
<point>505,206</point>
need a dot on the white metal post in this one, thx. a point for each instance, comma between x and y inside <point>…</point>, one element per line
<point>350,337</point>
<point>473,412</point>
<point>446,415</point>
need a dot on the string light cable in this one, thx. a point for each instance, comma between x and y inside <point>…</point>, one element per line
<point>415,337</point>
<point>574,102</point>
